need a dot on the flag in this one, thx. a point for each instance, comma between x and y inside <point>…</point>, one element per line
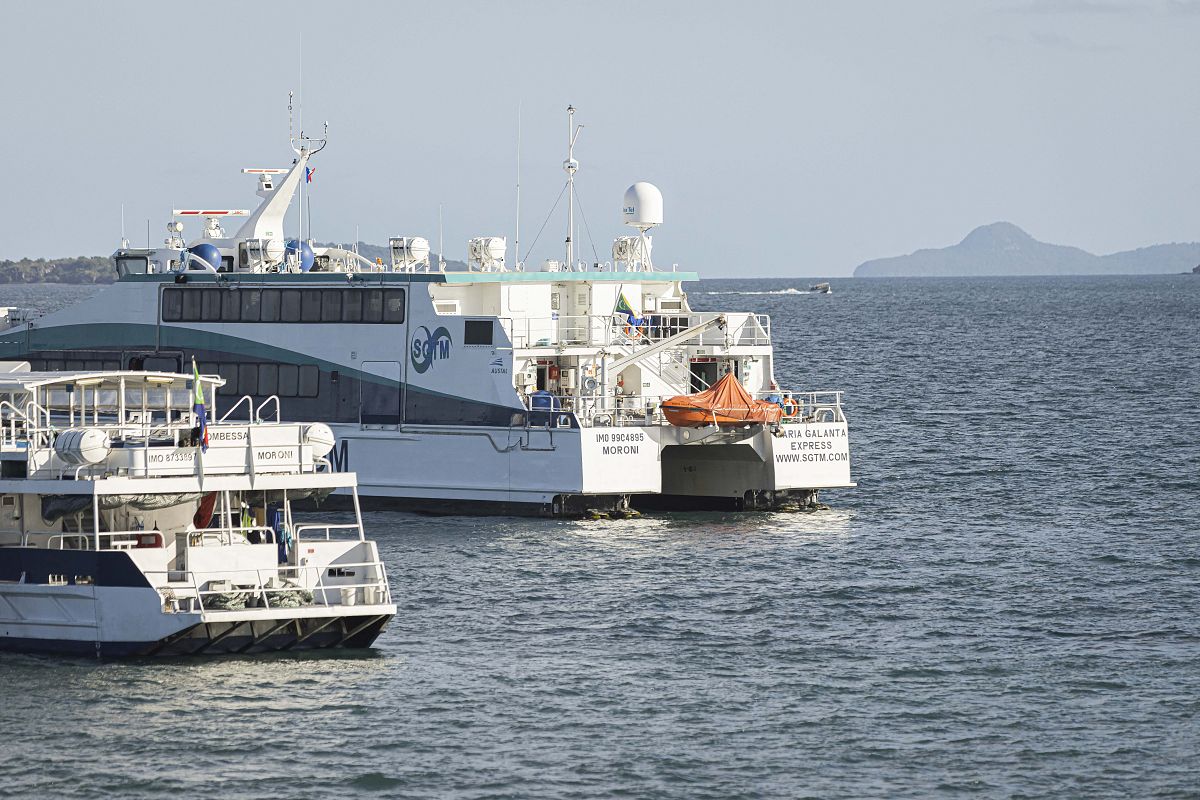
<point>623,306</point>
<point>308,173</point>
<point>198,407</point>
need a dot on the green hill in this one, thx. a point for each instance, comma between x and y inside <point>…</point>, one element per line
<point>82,269</point>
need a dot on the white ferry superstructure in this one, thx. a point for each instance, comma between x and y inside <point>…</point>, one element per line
<point>486,390</point>
<point>129,526</point>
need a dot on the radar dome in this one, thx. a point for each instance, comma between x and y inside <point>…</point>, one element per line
<point>306,256</point>
<point>208,253</point>
<point>643,206</point>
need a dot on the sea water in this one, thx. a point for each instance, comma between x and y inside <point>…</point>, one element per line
<point>1007,606</point>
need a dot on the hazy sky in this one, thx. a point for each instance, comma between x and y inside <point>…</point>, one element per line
<point>788,138</point>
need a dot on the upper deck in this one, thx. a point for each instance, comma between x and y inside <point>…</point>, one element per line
<point>111,432</point>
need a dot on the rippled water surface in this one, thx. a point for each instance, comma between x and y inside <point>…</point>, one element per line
<point>1007,606</point>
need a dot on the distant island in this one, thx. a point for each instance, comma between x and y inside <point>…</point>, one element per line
<point>1004,249</point>
<point>100,269</point>
<point>81,269</point>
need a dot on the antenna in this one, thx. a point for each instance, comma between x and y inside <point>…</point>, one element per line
<point>441,252</point>
<point>124,241</point>
<point>300,121</point>
<point>517,245</point>
<point>571,166</point>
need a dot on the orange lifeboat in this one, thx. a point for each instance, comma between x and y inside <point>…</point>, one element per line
<point>723,403</point>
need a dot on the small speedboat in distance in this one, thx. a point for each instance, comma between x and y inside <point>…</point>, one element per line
<point>131,526</point>
<point>821,288</point>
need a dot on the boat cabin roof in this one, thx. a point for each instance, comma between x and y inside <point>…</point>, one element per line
<point>23,381</point>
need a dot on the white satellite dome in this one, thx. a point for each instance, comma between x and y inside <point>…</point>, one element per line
<point>643,205</point>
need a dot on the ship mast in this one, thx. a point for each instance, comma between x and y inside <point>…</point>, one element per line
<point>571,166</point>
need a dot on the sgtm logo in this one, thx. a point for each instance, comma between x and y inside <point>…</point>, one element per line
<point>429,347</point>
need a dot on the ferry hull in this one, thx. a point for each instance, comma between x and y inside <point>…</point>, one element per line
<point>527,471</point>
<point>120,614</point>
<point>356,631</point>
<point>761,471</point>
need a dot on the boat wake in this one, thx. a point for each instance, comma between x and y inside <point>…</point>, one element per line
<point>773,291</point>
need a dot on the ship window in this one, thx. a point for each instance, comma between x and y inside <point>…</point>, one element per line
<point>331,305</point>
<point>172,305</point>
<point>226,264</point>
<point>270,305</point>
<point>477,331</point>
<point>230,373</point>
<point>160,364</point>
<point>210,310</point>
<point>289,305</point>
<point>268,379</point>
<point>75,366</point>
<point>393,305</point>
<point>373,306</point>
<point>250,304</point>
<point>288,377</point>
<point>310,310</point>
<point>191,305</point>
<point>352,306</point>
<point>231,306</point>
<point>248,379</point>
<point>110,366</point>
<point>308,383</point>
<point>132,266</point>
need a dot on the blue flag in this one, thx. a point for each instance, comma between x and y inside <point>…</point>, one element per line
<point>198,407</point>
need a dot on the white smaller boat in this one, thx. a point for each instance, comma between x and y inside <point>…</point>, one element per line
<point>129,525</point>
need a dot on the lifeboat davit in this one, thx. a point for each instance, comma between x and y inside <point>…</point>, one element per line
<point>723,403</point>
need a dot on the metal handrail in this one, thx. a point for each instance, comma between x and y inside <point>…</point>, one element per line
<point>248,400</point>
<point>263,592</point>
<point>643,410</point>
<point>258,418</point>
<point>327,528</point>
<point>603,330</point>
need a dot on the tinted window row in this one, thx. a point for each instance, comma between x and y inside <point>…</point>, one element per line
<point>73,365</point>
<point>196,304</point>
<point>264,380</point>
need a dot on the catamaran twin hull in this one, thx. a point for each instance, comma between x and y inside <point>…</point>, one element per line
<point>418,376</point>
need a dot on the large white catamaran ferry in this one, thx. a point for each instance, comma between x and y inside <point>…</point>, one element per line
<point>495,389</point>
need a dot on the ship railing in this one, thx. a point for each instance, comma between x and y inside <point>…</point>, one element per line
<point>254,415</point>
<point>314,531</point>
<point>27,428</point>
<point>16,425</point>
<point>603,330</point>
<point>625,410</point>
<point>817,406</point>
<point>266,587</point>
<point>597,411</point>
<point>108,540</point>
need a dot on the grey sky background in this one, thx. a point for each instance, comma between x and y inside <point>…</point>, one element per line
<point>787,138</point>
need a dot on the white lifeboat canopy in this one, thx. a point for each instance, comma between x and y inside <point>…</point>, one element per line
<point>643,206</point>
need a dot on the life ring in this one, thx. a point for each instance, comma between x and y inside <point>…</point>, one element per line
<point>790,407</point>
